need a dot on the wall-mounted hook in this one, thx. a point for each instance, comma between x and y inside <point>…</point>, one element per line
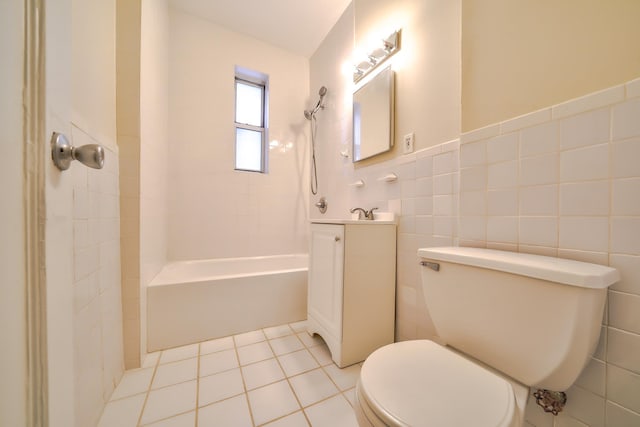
<point>62,153</point>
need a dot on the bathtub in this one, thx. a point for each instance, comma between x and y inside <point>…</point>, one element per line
<point>193,301</point>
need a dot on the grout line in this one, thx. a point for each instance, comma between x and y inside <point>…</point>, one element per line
<point>244,383</point>
<point>197,387</point>
<point>286,377</point>
<point>167,418</point>
<point>146,397</point>
<point>300,407</point>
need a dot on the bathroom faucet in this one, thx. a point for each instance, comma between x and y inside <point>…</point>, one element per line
<point>363,214</point>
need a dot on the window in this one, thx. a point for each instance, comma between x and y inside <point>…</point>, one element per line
<point>251,121</point>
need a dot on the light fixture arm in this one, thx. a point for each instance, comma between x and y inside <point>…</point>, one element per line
<point>390,46</point>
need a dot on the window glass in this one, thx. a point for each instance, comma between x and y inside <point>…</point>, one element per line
<point>251,120</point>
<point>249,102</point>
<point>249,150</point>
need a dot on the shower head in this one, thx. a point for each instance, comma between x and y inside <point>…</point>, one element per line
<point>309,114</point>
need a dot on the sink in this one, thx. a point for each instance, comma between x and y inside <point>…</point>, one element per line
<point>377,216</point>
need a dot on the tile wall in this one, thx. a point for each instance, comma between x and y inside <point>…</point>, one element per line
<point>213,210</point>
<point>96,283</point>
<point>563,181</point>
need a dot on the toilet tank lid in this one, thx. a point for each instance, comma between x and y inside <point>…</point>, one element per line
<point>558,270</point>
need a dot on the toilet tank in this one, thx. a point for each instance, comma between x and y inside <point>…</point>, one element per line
<point>535,318</point>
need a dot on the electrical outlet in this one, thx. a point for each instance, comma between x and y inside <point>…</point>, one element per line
<point>407,143</point>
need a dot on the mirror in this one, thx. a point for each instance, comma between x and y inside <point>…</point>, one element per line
<point>373,116</point>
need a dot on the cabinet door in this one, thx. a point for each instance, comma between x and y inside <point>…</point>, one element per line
<point>325,276</point>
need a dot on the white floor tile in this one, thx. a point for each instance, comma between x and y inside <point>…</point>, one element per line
<point>299,326</point>
<point>350,395</point>
<point>220,386</point>
<point>271,402</point>
<point>179,353</point>
<point>332,412</point>
<point>217,362</point>
<point>133,382</point>
<point>294,420</point>
<point>308,340</point>
<point>150,359</point>
<point>322,354</point>
<point>344,378</point>
<point>277,331</point>
<point>184,420</point>
<point>312,387</point>
<point>232,412</point>
<point>297,362</point>
<point>216,345</point>
<point>169,401</point>
<point>175,372</point>
<point>254,353</point>
<point>249,338</point>
<point>122,413</point>
<point>262,373</point>
<point>287,344</point>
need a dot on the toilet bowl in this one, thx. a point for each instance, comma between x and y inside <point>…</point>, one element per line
<point>421,383</point>
<point>510,321</point>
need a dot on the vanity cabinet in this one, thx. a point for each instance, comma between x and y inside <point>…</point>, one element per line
<point>352,287</point>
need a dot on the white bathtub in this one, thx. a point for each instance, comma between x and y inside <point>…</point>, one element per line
<point>193,301</point>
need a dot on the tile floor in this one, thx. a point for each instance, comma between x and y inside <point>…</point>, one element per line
<point>276,377</point>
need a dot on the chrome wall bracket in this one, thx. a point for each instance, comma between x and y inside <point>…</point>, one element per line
<point>62,153</point>
<point>551,401</point>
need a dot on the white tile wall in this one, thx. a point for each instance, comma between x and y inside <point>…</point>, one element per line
<point>540,139</point>
<point>214,211</point>
<point>619,416</point>
<point>559,186</point>
<point>578,197</point>
<point>96,258</point>
<point>549,182</point>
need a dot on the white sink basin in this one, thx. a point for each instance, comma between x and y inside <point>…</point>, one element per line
<point>378,218</point>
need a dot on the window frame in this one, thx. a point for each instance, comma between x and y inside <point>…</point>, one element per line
<point>260,81</point>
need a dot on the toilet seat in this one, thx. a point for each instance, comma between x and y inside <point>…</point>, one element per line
<point>421,383</point>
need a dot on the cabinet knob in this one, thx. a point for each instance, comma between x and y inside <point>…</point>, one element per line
<point>337,238</point>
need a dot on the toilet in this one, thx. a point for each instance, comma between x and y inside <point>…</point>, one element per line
<point>506,322</point>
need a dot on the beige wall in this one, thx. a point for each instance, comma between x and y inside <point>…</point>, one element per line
<point>128,125</point>
<point>98,354</point>
<point>154,147</point>
<point>427,66</point>
<point>521,56</point>
<point>143,31</point>
<point>428,63</point>
<point>93,69</point>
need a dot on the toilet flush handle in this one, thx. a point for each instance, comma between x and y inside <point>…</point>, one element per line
<point>432,265</point>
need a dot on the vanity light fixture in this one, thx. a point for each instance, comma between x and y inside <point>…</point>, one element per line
<point>389,47</point>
